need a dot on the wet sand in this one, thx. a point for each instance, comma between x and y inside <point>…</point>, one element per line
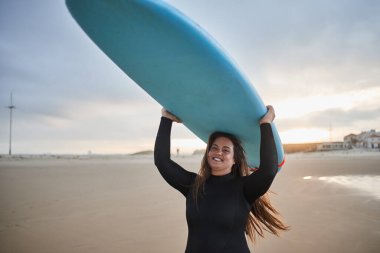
<point>121,204</point>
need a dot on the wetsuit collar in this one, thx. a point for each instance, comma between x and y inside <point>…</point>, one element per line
<point>223,178</point>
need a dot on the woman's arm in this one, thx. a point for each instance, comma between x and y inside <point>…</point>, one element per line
<point>258,183</point>
<point>174,174</point>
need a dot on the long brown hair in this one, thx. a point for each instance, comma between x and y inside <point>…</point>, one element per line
<point>263,216</point>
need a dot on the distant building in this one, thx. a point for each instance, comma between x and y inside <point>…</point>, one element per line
<point>329,146</point>
<point>372,141</point>
<point>366,139</point>
<point>350,141</point>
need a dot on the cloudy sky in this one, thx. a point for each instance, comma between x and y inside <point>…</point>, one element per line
<point>317,62</point>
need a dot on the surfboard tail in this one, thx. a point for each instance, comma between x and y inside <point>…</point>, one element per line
<point>253,169</point>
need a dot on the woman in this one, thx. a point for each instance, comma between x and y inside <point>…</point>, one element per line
<point>223,202</point>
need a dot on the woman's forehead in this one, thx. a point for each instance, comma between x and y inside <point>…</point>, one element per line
<point>223,141</point>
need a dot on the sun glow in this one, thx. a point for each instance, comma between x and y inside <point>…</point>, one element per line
<point>304,135</point>
<point>294,108</point>
<point>297,108</point>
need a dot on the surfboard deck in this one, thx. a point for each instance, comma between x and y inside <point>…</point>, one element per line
<point>177,63</point>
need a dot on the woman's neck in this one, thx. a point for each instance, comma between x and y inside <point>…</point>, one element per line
<point>219,173</point>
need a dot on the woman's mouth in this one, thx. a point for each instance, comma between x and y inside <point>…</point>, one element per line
<point>217,159</point>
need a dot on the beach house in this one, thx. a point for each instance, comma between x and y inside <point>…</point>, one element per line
<point>329,146</point>
<point>366,139</point>
<point>372,141</point>
<point>350,141</point>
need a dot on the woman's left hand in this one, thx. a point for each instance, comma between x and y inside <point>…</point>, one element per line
<point>169,115</point>
<point>269,116</point>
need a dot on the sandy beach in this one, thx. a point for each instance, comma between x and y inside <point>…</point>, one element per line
<point>121,204</point>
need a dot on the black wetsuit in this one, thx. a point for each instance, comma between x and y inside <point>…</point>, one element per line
<point>217,223</point>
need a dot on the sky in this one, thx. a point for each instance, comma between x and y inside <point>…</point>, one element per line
<point>317,62</point>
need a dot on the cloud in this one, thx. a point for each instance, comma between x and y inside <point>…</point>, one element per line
<point>309,47</point>
<point>338,118</point>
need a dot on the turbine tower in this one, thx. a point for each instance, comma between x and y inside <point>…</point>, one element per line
<point>11,107</point>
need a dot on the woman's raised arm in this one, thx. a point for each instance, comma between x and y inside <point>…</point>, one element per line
<point>258,183</point>
<point>173,173</point>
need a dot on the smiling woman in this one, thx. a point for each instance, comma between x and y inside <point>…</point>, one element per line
<point>224,201</point>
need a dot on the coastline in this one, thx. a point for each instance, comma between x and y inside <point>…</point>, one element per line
<point>149,154</point>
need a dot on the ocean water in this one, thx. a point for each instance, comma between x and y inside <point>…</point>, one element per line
<point>369,184</point>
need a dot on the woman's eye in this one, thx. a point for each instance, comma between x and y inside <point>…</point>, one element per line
<point>226,151</point>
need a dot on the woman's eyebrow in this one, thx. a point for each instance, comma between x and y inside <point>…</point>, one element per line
<point>216,145</point>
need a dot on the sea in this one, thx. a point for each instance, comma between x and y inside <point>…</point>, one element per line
<point>369,184</point>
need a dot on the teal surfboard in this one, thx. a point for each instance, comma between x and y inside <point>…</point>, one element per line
<point>177,63</point>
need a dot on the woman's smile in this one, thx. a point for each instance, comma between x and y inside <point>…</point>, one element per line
<point>221,156</point>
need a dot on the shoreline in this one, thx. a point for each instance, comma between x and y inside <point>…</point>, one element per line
<point>312,154</point>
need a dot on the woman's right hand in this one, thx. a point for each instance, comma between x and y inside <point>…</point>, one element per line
<point>269,116</point>
<point>169,115</point>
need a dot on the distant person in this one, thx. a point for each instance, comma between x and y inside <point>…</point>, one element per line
<point>223,201</point>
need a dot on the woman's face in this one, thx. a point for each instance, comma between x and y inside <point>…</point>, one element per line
<point>221,156</point>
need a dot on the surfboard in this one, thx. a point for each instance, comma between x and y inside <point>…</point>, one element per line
<point>180,65</point>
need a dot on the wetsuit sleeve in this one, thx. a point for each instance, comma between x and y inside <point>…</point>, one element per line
<point>258,183</point>
<point>173,173</point>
